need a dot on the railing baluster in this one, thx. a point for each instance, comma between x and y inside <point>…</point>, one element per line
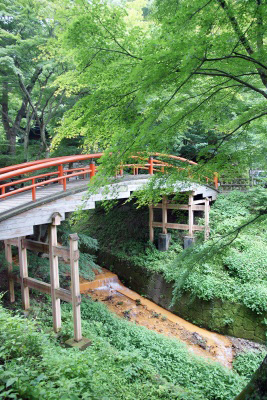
<point>92,169</point>
<point>216,180</point>
<point>33,190</point>
<point>150,168</point>
<point>60,173</point>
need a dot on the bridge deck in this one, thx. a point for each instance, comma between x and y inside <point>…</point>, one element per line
<point>41,192</point>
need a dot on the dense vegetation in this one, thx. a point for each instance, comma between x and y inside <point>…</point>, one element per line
<point>125,361</point>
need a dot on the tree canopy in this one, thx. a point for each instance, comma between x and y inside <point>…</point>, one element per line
<point>203,61</point>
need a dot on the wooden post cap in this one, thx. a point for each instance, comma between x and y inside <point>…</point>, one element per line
<point>56,218</point>
<point>74,236</point>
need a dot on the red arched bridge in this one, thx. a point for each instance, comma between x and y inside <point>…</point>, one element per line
<point>32,191</point>
<point>41,192</point>
<point>21,174</point>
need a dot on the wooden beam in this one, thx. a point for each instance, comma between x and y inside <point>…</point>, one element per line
<point>8,254</point>
<point>36,246</point>
<point>201,201</point>
<point>75,287</point>
<point>183,227</point>
<point>64,295</point>
<point>151,229</point>
<point>181,207</point>
<point>38,285</point>
<point>62,251</point>
<point>59,251</point>
<point>54,276</point>
<point>12,242</point>
<point>23,268</point>
<point>164,214</point>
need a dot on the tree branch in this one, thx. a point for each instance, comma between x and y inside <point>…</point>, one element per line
<point>218,72</point>
<point>237,55</point>
<point>199,9</point>
<point>241,36</point>
<point>25,91</point>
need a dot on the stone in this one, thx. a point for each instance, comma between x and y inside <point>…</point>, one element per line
<point>188,241</point>
<point>164,241</point>
<point>81,345</point>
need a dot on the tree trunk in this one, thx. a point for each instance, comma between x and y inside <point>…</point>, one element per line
<point>12,141</point>
<point>45,147</point>
<point>9,131</point>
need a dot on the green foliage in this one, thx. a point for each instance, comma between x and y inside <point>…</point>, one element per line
<point>125,361</point>
<point>190,65</point>
<point>232,264</point>
<point>247,363</point>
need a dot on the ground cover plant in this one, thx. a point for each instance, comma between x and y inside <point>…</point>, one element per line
<point>125,361</point>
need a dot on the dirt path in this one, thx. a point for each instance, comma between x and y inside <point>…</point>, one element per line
<point>130,305</point>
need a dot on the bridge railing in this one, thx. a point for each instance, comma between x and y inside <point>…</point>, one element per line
<point>22,174</point>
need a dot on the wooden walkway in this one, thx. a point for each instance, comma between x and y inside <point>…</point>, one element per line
<point>41,193</point>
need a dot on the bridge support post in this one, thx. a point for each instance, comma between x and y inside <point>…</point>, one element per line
<point>8,254</point>
<point>207,218</point>
<point>54,276</point>
<point>151,228</point>
<point>164,214</point>
<point>23,267</point>
<point>190,215</point>
<point>75,287</point>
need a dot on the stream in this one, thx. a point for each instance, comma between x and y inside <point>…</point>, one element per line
<point>130,305</point>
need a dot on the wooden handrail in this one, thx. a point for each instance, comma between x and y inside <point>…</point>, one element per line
<point>19,170</point>
<point>35,185</point>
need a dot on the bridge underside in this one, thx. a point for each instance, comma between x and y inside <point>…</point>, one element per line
<point>18,214</point>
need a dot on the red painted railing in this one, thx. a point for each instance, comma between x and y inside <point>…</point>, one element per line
<point>24,171</point>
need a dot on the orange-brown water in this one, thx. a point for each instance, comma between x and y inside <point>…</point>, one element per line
<point>128,304</point>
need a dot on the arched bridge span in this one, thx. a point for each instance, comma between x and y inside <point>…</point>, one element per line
<point>31,192</point>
